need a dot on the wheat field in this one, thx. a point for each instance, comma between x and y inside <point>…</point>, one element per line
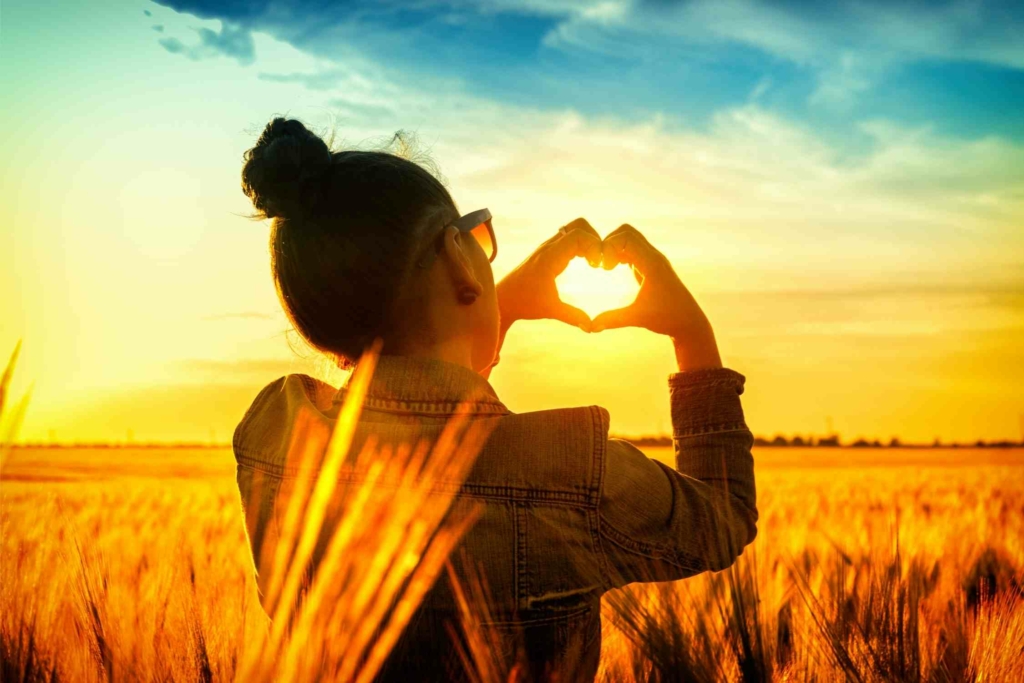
<point>892,565</point>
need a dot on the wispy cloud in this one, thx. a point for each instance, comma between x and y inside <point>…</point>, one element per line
<point>911,201</point>
<point>812,33</point>
<point>231,41</point>
<point>846,78</point>
<point>763,86</point>
<point>847,47</point>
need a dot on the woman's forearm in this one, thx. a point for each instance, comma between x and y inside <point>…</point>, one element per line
<point>697,350</point>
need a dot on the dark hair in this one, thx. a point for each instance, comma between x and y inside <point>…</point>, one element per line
<point>346,225</point>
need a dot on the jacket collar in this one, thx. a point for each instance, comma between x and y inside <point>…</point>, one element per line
<point>406,384</point>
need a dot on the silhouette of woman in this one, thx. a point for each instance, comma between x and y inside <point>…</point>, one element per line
<point>368,245</point>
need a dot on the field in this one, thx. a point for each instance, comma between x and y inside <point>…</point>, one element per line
<point>870,565</point>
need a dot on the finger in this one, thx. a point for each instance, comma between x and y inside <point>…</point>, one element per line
<point>580,224</point>
<point>576,224</point>
<point>569,245</point>
<point>572,315</point>
<point>627,245</point>
<point>593,252</point>
<point>615,318</point>
<point>614,250</point>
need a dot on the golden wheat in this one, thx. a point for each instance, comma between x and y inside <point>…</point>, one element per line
<point>115,562</point>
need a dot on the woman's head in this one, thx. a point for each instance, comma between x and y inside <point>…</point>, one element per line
<point>348,228</point>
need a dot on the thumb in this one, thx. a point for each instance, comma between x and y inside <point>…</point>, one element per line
<point>572,315</point>
<point>610,320</point>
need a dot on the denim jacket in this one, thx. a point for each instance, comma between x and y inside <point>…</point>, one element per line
<point>568,513</point>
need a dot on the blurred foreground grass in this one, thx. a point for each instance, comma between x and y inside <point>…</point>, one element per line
<point>133,565</point>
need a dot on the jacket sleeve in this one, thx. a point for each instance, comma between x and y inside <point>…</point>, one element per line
<point>660,524</point>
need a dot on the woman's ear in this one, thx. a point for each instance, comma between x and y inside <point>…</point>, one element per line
<point>460,265</point>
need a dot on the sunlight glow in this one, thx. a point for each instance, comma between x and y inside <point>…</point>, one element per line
<point>594,289</point>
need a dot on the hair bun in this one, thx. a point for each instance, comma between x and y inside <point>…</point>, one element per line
<point>278,171</point>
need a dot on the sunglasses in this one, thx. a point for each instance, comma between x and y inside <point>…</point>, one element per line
<point>478,224</point>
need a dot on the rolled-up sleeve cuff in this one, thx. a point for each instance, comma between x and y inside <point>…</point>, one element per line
<point>706,401</point>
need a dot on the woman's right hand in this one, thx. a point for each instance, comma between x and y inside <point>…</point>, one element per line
<point>529,292</point>
<point>662,305</point>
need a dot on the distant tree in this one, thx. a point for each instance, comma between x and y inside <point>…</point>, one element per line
<point>894,442</point>
<point>829,441</point>
<point>860,443</point>
<point>798,441</point>
<point>876,444</point>
<point>761,441</point>
<point>780,440</point>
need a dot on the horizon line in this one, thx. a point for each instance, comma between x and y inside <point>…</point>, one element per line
<point>655,440</point>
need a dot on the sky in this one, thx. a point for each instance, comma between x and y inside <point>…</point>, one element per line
<point>841,185</point>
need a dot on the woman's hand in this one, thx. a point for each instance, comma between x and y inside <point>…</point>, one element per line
<point>529,291</point>
<point>662,305</point>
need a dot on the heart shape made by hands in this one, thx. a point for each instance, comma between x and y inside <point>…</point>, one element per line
<point>595,290</point>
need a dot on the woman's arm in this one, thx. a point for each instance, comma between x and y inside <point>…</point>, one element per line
<point>657,523</point>
<point>660,524</point>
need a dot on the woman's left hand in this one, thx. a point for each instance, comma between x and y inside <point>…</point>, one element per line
<point>529,292</point>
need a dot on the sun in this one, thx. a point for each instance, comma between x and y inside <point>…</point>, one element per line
<point>594,289</point>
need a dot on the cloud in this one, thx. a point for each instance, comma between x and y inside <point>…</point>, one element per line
<point>756,199</point>
<point>328,79</point>
<point>763,86</point>
<point>846,78</point>
<point>173,45</point>
<point>849,47</point>
<point>363,93</point>
<point>811,32</point>
<point>231,41</point>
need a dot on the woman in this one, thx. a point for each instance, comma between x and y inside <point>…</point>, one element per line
<point>367,245</point>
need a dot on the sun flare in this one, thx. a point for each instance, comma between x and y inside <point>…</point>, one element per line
<point>594,289</point>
